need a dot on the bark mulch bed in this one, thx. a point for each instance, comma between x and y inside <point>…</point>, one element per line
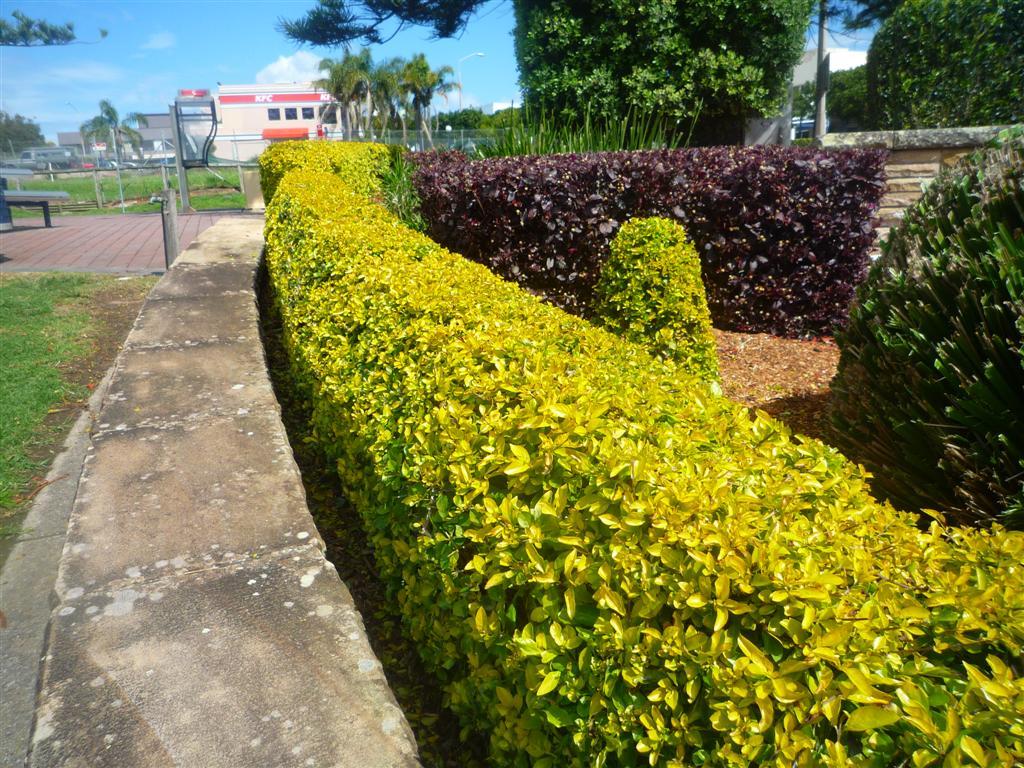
<point>787,378</point>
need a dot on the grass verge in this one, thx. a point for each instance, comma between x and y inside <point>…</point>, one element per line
<point>58,333</point>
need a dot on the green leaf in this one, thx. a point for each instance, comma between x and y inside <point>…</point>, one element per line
<point>549,683</point>
<point>869,718</point>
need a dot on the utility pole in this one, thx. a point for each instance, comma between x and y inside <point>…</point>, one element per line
<point>822,79</point>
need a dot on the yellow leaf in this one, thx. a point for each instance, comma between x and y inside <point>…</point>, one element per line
<point>973,750</point>
<point>495,580</point>
<point>761,662</point>
<point>549,683</point>
<point>869,718</point>
<point>721,618</point>
<point>570,602</point>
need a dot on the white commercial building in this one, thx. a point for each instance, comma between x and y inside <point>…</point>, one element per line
<point>251,117</point>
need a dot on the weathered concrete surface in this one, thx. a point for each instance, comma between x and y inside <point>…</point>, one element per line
<point>920,139</point>
<point>26,587</point>
<point>198,623</point>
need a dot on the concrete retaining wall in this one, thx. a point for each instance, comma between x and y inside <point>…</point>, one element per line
<point>197,622</point>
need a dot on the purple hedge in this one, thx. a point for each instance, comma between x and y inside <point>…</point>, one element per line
<point>783,234</point>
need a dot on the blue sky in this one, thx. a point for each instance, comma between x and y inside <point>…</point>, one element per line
<point>155,47</point>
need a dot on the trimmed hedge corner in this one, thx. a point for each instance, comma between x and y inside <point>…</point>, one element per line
<point>650,292</point>
<point>605,563</point>
<point>783,234</point>
<point>360,165</point>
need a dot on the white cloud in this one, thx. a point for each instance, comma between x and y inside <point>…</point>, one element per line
<point>160,40</point>
<point>298,68</point>
<point>83,72</point>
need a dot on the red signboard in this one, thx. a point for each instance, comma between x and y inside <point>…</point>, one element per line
<point>273,98</point>
<point>193,93</point>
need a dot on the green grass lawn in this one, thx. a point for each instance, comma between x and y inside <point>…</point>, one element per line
<point>206,201</point>
<point>138,183</point>
<point>49,325</point>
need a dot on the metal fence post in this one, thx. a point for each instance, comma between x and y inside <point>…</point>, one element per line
<point>97,188</point>
<point>169,219</point>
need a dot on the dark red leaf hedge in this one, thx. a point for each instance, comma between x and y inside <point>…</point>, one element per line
<point>783,233</point>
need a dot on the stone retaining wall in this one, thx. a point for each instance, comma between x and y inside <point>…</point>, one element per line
<point>197,622</point>
<point>915,158</point>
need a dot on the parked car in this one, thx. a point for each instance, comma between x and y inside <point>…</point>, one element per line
<point>46,158</point>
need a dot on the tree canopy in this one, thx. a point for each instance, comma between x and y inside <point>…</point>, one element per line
<point>26,32</point>
<point>716,59</point>
<point>18,133</point>
<point>339,22</point>
<point>945,63</point>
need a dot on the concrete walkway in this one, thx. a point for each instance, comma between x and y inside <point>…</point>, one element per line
<point>132,243</point>
<point>195,620</point>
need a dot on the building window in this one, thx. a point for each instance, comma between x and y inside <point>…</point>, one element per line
<point>307,113</point>
<point>291,113</point>
<point>273,114</point>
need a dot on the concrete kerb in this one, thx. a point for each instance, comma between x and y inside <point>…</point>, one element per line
<point>198,623</point>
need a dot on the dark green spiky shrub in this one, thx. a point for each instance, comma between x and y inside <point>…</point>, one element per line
<point>650,292</point>
<point>930,387</point>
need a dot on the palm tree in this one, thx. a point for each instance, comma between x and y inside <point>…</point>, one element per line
<point>349,82</point>
<point>108,124</point>
<point>388,94</point>
<point>423,83</point>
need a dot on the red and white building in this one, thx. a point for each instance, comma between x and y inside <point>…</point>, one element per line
<point>251,117</point>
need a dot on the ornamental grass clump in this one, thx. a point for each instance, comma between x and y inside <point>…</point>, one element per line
<point>650,292</point>
<point>930,387</point>
<point>604,563</point>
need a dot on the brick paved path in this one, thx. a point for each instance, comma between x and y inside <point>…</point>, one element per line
<point>130,243</point>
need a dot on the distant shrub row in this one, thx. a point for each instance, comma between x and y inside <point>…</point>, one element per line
<point>605,563</point>
<point>783,234</point>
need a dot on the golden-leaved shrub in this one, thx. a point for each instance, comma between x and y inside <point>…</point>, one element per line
<point>604,562</point>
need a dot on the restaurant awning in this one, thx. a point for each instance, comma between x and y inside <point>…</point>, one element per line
<point>286,133</point>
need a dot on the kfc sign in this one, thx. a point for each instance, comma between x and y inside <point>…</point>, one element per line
<point>274,98</point>
<point>193,93</point>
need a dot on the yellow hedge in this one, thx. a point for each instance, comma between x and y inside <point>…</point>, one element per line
<point>359,165</point>
<point>606,565</point>
<point>650,292</point>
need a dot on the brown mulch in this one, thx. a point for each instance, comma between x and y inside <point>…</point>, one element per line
<point>787,378</point>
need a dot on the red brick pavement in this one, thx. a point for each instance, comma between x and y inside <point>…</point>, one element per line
<point>129,243</point>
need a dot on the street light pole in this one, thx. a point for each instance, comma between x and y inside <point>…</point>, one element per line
<point>459,65</point>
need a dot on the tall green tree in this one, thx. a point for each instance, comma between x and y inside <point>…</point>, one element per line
<point>349,81</point>
<point>18,133</point>
<point>422,84</point>
<point>717,59</point>
<point>868,13</point>
<point>108,124</point>
<point>391,100</point>
<point>945,63</point>
<point>26,32</point>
